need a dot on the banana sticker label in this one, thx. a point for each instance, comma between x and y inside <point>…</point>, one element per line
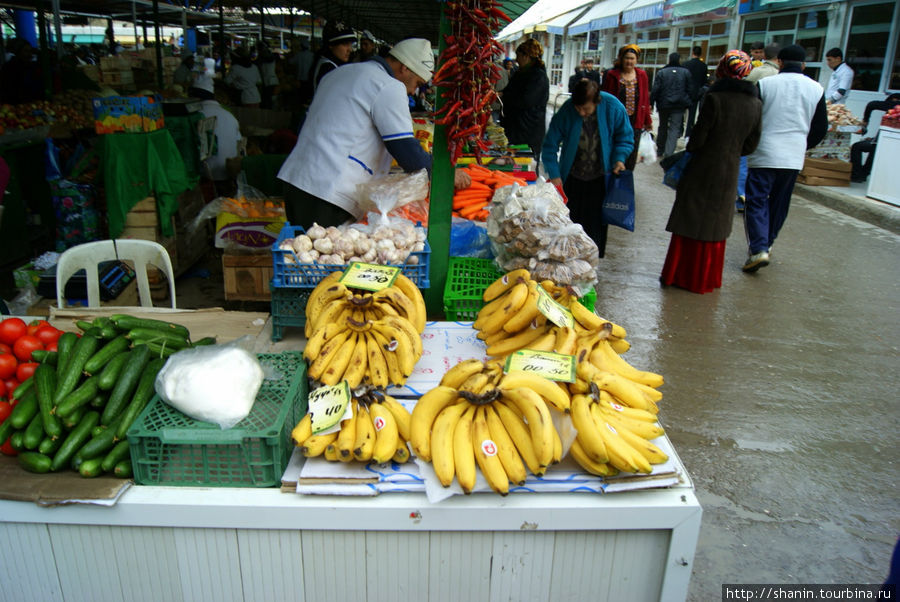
<point>612,429</point>
<point>489,448</point>
<point>550,365</point>
<point>379,423</point>
<point>328,406</point>
<point>369,276</point>
<point>616,406</point>
<point>553,311</point>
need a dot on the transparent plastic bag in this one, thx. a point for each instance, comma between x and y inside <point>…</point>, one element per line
<point>384,194</point>
<point>469,239</point>
<point>646,148</point>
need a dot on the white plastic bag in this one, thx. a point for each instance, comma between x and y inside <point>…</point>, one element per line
<point>646,148</point>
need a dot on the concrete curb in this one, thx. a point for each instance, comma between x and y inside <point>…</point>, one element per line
<point>870,211</point>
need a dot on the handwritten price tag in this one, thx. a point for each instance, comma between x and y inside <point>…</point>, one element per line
<point>550,365</point>
<point>328,406</point>
<point>553,311</point>
<point>369,276</point>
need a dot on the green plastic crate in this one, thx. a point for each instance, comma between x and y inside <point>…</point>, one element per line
<point>169,448</point>
<point>288,308</point>
<point>467,278</point>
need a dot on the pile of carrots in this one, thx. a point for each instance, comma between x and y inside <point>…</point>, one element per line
<point>471,203</point>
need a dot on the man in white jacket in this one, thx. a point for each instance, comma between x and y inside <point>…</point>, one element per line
<point>841,77</point>
<point>794,118</point>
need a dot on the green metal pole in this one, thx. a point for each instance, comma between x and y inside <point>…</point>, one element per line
<point>159,56</point>
<point>439,219</point>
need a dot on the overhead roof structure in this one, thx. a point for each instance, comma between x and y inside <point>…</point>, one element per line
<point>539,13</point>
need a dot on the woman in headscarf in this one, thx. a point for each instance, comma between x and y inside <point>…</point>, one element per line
<point>728,127</point>
<point>632,87</point>
<point>525,98</point>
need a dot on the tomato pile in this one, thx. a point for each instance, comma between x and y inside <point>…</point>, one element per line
<point>18,341</point>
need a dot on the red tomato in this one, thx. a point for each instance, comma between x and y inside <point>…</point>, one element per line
<point>11,329</point>
<point>3,392</point>
<point>25,371</point>
<point>4,348</point>
<point>5,410</point>
<point>8,365</point>
<point>51,346</point>
<point>10,384</point>
<point>47,334</point>
<point>25,345</point>
<point>7,449</point>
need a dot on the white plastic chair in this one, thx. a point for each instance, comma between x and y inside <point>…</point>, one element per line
<point>89,255</point>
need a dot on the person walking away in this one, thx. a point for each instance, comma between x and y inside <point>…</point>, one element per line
<point>204,76</point>
<point>699,77</point>
<point>728,127</point>
<point>266,63</point>
<point>757,53</point>
<point>631,87</point>
<point>244,77</point>
<point>861,171</point>
<point>228,134</point>
<point>338,40</point>
<point>596,137</point>
<point>184,75</point>
<point>841,77</point>
<point>577,76</point>
<point>671,94</point>
<point>794,119</point>
<point>525,98</point>
<point>766,69</point>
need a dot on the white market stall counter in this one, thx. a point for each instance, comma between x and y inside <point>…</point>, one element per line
<point>174,543</point>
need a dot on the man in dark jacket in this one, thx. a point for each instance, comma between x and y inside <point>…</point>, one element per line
<point>671,94</point>
<point>699,76</point>
<point>861,170</point>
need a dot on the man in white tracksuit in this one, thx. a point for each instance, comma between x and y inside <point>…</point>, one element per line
<point>358,120</point>
<point>794,118</point>
<point>841,77</point>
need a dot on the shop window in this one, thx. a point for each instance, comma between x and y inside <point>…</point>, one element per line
<point>756,25</point>
<point>866,51</point>
<point>664,34</point>
<point>719,29</point>
<point>777,22</point>
<point>701,30</point>
<point>716,53</point>
<point>687,32</point>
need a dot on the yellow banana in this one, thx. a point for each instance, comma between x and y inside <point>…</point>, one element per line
<point>621,455</point>
<point>364,442</point>
<point>319,338</point>
<point>646,448</point>
<point>475,384</point>
<point>504,283</point>
<point>315,444</point>
<point>387,437</point>
<point>649,392</point>
<point>565,341</point>
<point>557,447</point>
<point>620,346</point>
<point>457,375</point>
<point>512,343</point>
<point>617,331</point>
<point>409,288</point>
<point>398,343</point>
<point>506,447</point>
<point>319,298</point>
<point>396,376</point>
<point>401,456</point>
<point>485,313</point>
<point>579,387</point>
<point>425,411</point>
<point>302,431</point>
<point>330,313</point>
<point>395,298</point>
<point>607,401</point>
<point>513,303</point>
<point>401,415</point>
<point>347,436</point>
<point>544,342</point>
<point>356,369</point>
<point>624,390</point>
<point>645,430</point>
<point>463,450</point>
<point>546,388</point>
<point>331,348</point>
<point>603,356</point>
<point>442,442</point>
<point>589,464</point>
<point>585,317</point>
<point>540,424</point>
<point>377,364</point>
<point>337,367</point>
<point>406,326</point>
<point>331,453</point>
<point>518,432</point>
<point>528,312</point>
<point>591,441</point>
<point>486,454</point>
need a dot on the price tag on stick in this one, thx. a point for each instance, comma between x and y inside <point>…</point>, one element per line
<point>369,276</point>
<point>550,365</point>
<point>328,406</point>
<point>553,311</point>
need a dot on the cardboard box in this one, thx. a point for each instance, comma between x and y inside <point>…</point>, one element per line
<point>247,277</point>
<point>828,164</point>
<point>825,172</point>
<point>128,114</point>
<point>819,181</point>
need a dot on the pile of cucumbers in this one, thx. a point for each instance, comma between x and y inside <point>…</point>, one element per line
<point>75,410</point>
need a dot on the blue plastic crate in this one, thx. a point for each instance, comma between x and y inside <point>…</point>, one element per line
<point>288,309</point>
<point>293,274</point>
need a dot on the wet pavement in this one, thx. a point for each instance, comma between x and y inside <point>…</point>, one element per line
<point>781,391</point>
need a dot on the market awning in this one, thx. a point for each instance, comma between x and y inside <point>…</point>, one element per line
<point>603,15</point>
<point>684,8</point>
<point>540,13</point>
<point>643,10</point>
<point>558,25</point>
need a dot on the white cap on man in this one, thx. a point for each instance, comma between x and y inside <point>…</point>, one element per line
<point>417,55</point>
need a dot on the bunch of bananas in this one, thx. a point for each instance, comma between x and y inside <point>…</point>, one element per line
<point>378,431</point>
<point>364,337</point>
<point>480,416</point>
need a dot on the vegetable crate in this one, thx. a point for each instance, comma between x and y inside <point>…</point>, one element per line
<point>169,448</point>
<point>467,279</point>
<point>289,272</point>
<point>288,308</point>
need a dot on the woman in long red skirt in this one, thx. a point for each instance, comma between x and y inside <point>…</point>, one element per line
<point>728,127</point>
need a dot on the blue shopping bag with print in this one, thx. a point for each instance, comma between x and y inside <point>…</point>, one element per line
<point>618,206</point>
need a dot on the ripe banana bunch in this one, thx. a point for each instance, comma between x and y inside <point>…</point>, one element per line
<point>363,351</point>
<point>331,301</point>
<point>613,438</point>
<point>480,417</point>
<point>377,432</point>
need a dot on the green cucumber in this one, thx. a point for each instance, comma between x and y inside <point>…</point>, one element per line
<point>91,468</point>
<point>124,322</point>
<point>84,325</point>
<point>6,431</point>
<point>108,332</point>
<point>161,351</point>
<point>102,443</point>
<point>72,420</point>
<point>25,410</point>
<point>35,462</point>
<point>19,393</point>
<point>204,341</point>
<point>42,356</point>
<point>120,452</point>
<point>126,384</point>
<point>33,433</point>
<point>99,400</point>
<point>48,446</point>
<point>102,357</point>
<point>123,469</point>
<point>110,373</point>
<point>79,435</point>
<point>95,432</point>
<point>102,322</point>
<point>64,345</point>
<point>170,339</point>
<point>17,440</point>
<point>79,397</point>
<point>142,394</point>
<point>81,353</point>
<point>45,383</point>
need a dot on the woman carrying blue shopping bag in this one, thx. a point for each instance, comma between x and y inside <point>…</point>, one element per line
<point>596,138</point>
